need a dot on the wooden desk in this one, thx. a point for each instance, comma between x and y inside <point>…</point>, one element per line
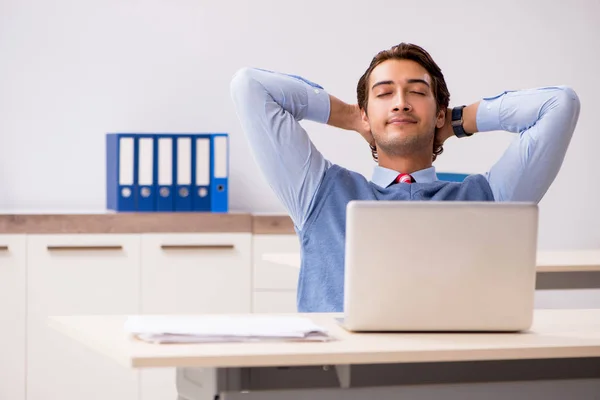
<point>569,261</point>
<point>562,344</point>
<point>573,269</point>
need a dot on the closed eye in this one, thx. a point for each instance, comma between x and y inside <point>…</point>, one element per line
<point>420,93</point>
<point>383,94</point>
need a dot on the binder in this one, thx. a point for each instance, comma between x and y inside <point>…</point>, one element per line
<point>164,157</point>
<point>219,194</point>
<point>120,172</point>
<point>201,174</point>
<point>144,159</point>
<point>183,172</point>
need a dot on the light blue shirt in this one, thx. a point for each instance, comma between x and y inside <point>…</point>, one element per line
<point>270,106</point>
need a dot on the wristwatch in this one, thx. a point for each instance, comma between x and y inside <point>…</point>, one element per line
<point>457,122</point>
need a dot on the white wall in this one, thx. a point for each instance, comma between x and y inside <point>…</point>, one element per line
<point>70,71</point>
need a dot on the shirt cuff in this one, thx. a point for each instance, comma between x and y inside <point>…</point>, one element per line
<point>488,113</point>
<point>319,105</point>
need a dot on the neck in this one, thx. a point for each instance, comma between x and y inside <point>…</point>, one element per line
<point>406,165</point>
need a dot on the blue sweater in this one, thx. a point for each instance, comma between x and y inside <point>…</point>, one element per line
<point>322,239</point>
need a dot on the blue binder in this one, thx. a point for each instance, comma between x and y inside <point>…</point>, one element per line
<point>219,193</point>
<point>164,159</point>
<point>144,160</point>
<point>120,172</point>
<point>201,173</point>
<point>182,168</point>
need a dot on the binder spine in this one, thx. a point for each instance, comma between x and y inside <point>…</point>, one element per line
<point>183,173</point>
<point>201,160</point>
<point>164,158</point>
<point>120,172</point>
<point>220,173</point>
<point>145,173</point>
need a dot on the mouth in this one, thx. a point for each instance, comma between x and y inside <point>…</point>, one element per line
<point>401,121</point>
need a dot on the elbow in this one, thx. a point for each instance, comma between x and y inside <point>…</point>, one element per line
<point>241,83</point>
<point>569,104</point>
<point>247,88</point>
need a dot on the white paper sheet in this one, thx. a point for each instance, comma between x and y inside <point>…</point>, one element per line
<point>219,328</point>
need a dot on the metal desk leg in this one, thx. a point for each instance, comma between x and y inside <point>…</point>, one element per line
<point>197,384</point>
<point>209,383</point>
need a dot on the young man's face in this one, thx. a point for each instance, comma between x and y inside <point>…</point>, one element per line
<point>401,110</point>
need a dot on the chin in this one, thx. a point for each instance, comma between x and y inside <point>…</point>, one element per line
<point>404,143</point>
<point>400,135</point>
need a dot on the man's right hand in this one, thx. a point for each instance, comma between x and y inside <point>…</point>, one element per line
<point>348,116</point>
<point>362,127</point>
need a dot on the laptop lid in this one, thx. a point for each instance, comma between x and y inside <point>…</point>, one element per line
<point>442,266</point>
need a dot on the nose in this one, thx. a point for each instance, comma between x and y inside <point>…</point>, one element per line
<point>401,103</point>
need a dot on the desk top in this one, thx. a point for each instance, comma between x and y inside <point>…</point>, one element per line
<point>547,261</point>
<point>568,261</point>
<point>554,334</point>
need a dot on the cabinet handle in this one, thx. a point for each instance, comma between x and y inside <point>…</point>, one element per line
<point>197,246</point>
<point>3,248</point>
<point>83,248</point>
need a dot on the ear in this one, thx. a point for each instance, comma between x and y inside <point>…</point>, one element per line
<point>365,119</point>
<point>441,118</point>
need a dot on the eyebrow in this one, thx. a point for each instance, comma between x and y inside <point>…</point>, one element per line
<point>415,80</point>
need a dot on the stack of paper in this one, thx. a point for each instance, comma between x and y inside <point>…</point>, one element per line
<point>220,328</point>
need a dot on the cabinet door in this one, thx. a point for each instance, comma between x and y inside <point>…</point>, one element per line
<point>269,275</point>
<point>192,274</point>
<point>12,316</point>
<point>78,275</point>
<point>276,301</point>
<point>274,284</point>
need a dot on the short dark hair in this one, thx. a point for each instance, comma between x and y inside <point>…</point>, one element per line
<point>407,51</point>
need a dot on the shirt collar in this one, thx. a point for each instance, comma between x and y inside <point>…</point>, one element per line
<point>384,177</point>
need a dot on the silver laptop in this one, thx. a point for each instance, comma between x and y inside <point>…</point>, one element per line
<point>440,266</point>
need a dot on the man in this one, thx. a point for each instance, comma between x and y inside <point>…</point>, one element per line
<point>403,114</point>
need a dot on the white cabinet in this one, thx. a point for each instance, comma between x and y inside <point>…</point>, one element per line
<point>277,301</point>
<point>12,316</point>
<point>191,274</point>
<point>269,275</point>
<point>274,284</point>
<point>77,275</point>
<point>196,273</point>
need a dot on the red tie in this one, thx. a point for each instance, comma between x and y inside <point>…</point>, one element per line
<point>404,178</point>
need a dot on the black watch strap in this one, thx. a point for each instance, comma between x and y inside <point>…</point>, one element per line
<point>457,122</point>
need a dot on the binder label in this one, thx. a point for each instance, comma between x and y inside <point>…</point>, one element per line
<point>126,151</point>
<point>220,156</point>
<point>165,161</point>
<point>184,161</point>
<point>203,162</point>
<point>145,162</point>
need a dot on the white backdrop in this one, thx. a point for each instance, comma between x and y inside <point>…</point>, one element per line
<point>70,71</point>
